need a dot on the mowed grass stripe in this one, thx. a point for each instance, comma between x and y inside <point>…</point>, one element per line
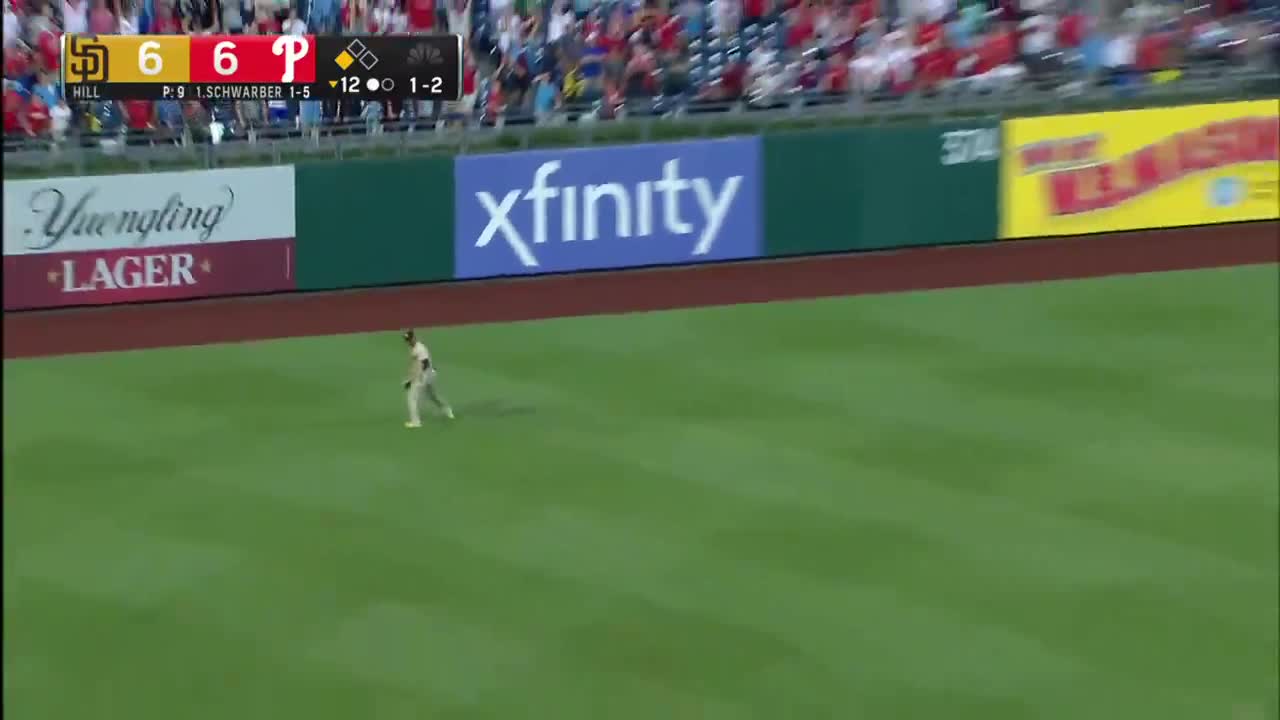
<point>1043,501</point>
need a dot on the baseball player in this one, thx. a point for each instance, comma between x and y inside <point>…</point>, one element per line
<point>422,376</point>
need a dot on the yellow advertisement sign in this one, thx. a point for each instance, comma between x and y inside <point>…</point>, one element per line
<point>1164,167</point>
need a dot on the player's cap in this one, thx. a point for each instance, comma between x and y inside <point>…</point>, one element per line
<point>407,334</point>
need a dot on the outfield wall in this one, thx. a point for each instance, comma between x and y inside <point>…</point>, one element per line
<point>366,223</point>
<point>870,189</point>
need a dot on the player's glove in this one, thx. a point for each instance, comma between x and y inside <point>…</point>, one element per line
<point>406,384</point>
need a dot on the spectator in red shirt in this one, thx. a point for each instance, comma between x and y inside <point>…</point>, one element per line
<point>928,34</point>
<point>37,117</point>
<point>355,16</point>
<point>139,115</point>
<point>17,63</point>
<point>1071,30</point>
<point>591,24</point>
<point>864,11</point>
<point>166,19</point>
<point>754,11</point>
<point>13,111</point>
<point>265,23</point>
<point>1230,7</point>
<point>638,75</point>
<point>843,33</point>
<point>835,79</point>
<point>422,15</point>
<point>468,102</point>
<point>996,49</point>
<point>799,26</point>
<point>669,33</point>
<point>50,46</point>
<point>468,70</point>
<point>937,65</point>
<point>615,36</point>
<point>733,80</point>
<point>1155,51</point>
<point>102,21</point>
<point>379,18</point>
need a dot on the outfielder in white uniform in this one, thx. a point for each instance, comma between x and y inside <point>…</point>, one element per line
<point>422,377</point>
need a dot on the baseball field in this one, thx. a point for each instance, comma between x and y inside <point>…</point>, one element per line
<point>1054,501</point>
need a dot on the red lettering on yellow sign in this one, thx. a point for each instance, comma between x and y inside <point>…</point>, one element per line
<point>1033,156</point>
<point>1066,152</point>
<point>1209,147</point>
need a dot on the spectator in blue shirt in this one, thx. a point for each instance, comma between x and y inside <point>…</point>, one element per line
<point>309,114</point>
<point>545,97</point>
<point>278,112</point>
<point>964,26</point>
<point>46,90</point>
<point>1092,51</point>
<point>372,115</point>
<point>108,117</point>
<point>169,116</point>
<point>592,66</point>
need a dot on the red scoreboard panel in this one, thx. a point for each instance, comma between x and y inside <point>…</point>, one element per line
<point>287,60</point>
<point>261,67</point>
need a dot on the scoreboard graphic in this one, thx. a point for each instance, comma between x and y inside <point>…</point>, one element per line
<point>261,67</point>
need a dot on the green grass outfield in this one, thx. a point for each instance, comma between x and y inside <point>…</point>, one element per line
<point>1044,502</point>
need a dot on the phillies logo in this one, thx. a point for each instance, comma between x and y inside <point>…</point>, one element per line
<point>292,48</point>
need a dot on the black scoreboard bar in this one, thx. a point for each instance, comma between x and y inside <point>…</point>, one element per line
<point>389,67</point>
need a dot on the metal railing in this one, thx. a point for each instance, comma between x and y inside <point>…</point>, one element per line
<point>648,121</point>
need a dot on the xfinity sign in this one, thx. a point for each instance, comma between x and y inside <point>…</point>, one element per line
<point>599,208</point>
<point>633,209</point>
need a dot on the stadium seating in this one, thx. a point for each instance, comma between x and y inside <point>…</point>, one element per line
<point>556,63</point>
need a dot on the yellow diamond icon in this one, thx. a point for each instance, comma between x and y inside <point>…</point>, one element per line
<point>344,59</point>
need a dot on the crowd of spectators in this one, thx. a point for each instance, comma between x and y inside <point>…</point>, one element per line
<point>536,59</point>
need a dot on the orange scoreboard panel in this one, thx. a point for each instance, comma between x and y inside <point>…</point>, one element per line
<point>261,67</point>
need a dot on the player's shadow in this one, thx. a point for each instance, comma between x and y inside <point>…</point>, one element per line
<point>494,409</point>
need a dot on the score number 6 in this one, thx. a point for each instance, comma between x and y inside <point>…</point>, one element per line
<point>224,61</point>
<point>149,61</point>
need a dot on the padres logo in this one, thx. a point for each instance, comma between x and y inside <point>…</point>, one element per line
<point>88,61</point>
